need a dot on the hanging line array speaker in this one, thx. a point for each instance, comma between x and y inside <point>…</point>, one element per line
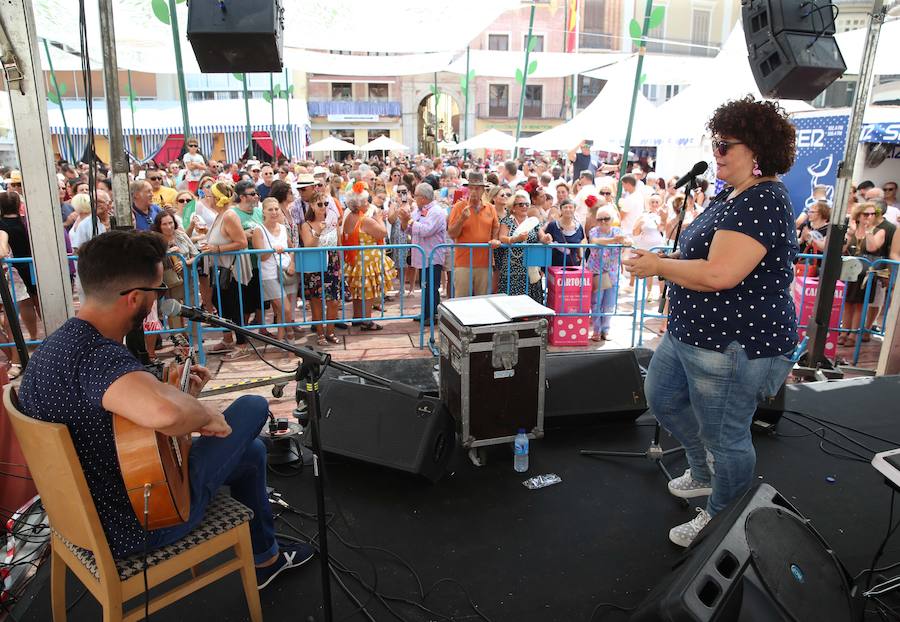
<point>242,36</point>
<point>791,47</point>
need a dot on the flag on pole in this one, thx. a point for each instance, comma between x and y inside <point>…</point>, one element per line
<point>572,25</point>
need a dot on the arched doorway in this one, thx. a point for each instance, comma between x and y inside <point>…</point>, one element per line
<point>444,127</point>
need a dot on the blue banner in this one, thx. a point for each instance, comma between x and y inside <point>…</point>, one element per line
<point>880,133</point>
<point>820,147</point>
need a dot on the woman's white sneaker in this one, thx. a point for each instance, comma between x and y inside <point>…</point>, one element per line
<point>687,487</point>
<point>683,535</point>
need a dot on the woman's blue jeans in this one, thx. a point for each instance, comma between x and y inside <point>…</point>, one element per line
<point>707,399</point>
<point>239,461</point>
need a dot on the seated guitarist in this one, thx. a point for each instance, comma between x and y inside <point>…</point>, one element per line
<point>82,373</point>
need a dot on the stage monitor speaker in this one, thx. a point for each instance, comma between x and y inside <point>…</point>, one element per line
<point>243,36</point>
<point>593,386</point>
<point>374,424</point>
<point>791,47</point>
<point>757,560</point>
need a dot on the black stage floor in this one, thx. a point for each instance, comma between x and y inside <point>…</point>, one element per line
<point>555,553</point>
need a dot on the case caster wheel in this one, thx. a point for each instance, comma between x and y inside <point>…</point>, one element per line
<point>278,390</point>
<point>478,456</point>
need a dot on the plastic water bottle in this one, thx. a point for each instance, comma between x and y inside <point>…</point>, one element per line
<point>520,450</point>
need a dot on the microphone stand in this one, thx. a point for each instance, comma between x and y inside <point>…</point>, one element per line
<point>689,196</point>
<point>307,376</point>
<point>655,453</point>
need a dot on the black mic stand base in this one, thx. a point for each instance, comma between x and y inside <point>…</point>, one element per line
<point>655,454</point>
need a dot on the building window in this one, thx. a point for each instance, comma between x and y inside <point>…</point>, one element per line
<point>700,20</point>
<point>378,92</point>
<point>498,42</point>
<point>341,90</point>
<point>373,134</point>
<point>348,135</point>
<point>593,31</point>
<point>538,47</point>
<point>498,106</point>
<point>534,99</point>
<point>588,89</point>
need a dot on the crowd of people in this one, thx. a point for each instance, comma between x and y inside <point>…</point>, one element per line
<point>489,209</point>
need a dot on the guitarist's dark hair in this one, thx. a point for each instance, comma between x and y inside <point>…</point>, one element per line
<point>118,260</point>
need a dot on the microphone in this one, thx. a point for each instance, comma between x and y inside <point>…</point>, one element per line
<point>170,307</point>
<point>698,169</point>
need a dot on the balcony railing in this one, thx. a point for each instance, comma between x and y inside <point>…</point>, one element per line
<point>323,108</point>
<point>511,111</point>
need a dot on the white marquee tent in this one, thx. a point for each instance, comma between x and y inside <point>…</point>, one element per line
<point>331,144</point>
<point>384,143</point>
<point>491,139</point>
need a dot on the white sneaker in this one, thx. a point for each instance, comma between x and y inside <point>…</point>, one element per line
<point>683,535</point>
<point>687,487</point>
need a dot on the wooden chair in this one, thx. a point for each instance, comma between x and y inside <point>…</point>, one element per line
<point>78,541</point>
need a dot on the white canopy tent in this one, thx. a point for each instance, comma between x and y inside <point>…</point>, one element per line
<point>492,139</point>
<point>331,144</point>
<point>503,64</point>
<point>605,120</point>
<point>384,143</point>
<point>143,42</point>
<point>661,69</point>
<point>887,55</point>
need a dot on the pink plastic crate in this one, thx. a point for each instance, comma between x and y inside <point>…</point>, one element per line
<point>569,291</point>
<point>805,291</point>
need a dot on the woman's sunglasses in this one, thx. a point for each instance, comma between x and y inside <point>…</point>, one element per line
<point>184,200</point>
<point>604,219</point>
<point>722,146</point>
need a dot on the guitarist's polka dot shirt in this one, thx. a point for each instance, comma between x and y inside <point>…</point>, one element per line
<point>64,382</point>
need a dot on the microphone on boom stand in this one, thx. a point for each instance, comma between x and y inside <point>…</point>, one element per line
<point>690,180</point>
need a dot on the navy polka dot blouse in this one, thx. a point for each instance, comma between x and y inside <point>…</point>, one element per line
<point>759,311</point>
<point>64,383</point>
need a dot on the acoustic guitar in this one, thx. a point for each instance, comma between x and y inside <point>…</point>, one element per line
<point>155,466</point>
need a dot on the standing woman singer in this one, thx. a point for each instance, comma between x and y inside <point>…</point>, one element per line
<point>732,324</point>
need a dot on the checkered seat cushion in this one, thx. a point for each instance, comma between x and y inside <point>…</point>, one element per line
<point>222,514</point>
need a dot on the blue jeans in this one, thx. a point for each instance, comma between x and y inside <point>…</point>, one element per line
<point>707,399</point>
<point>604,301</point>
<point>239,461</point>
<point>437,271</point>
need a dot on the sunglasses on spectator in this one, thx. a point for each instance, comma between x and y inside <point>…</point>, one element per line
<point>251,194</point>
<point>15,183</point>
<point>402,192</point>
<point>505,195</point>
<point>722,146</point>
<point>192,146</point>
<point>890,188</point>
<point>321,203</point>
<point>604,219</point>
<point>159,289</point>
<point>184,200</point>
<point>520,204</point>
<point>606,194</point>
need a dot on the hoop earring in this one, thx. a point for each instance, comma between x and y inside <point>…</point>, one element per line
<point>756,171</point>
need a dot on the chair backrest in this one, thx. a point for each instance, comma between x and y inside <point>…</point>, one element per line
<point>60,481</point>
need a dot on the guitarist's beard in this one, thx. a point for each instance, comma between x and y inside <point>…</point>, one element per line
<point>137,320</point>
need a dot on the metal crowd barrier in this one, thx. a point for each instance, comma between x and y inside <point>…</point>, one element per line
<point>308,261</point>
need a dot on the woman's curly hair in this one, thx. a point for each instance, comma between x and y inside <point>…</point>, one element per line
<point>762,126</point>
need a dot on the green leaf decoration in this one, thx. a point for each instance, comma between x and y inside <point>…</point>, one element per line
<point>276,91</point>
<point>532,43</point>
<point>519,77</point>
<point>657,16</point>
<point>160,10</point>
<point>180,1</point>
<point>635,29</point>
<point>463,84</point>
<point>291,89</point>
<point>53,97</point>
<point>62,88</point>
<point>642,79</point>
<point>531,67</point>
<point>267,96</point>
<point>238,76</point>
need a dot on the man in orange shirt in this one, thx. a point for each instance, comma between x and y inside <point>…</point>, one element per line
<point>472,222</point>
